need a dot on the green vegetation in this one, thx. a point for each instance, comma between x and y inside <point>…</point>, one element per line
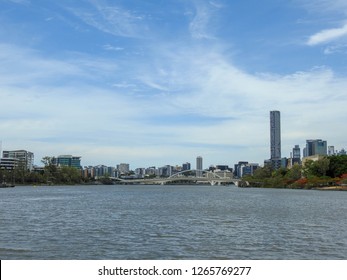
<point>325,172</point>
<point>51,174</point>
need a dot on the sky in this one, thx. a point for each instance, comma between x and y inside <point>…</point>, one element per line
<point>160,82</point>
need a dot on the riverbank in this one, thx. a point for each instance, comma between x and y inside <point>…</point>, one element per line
<point>332,188</point>
<point>268,184</point>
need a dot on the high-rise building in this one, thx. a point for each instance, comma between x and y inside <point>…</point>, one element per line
<point>186,166</point>
<point>315,147</point>
<point>20,158</point>
<point>275,139</point>
<point>296,157</point>
<point>275,134</point>
<point>199,166</point>
<point>123,168</point>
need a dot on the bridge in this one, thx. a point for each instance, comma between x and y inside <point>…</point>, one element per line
<point>180,177</point>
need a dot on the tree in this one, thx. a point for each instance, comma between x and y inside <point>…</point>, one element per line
<point>317,168</point>
<point>263,172</point>
<point>51,169</point>
<point>69,175</point>
<point>337,166</point>
<point>294,173</point>
<point>280,172</point>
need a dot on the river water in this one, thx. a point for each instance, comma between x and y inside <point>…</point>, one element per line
<point>171,222</point>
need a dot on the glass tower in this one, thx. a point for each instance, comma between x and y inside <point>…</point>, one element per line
<point>199,167</point>
<point>275,135</point>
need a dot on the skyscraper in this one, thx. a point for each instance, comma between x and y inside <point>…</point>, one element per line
<point>275,138</point>
<point>199,166</point>
<point>275,134</point>
<point>296,157</point>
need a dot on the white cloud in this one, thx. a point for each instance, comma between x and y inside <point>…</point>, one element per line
<point>327,35</point>
<point>111,124</point>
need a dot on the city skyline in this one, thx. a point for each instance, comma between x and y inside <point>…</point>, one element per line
<point>146,84</point>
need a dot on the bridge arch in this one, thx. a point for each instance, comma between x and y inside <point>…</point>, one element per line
<point>194,170</point>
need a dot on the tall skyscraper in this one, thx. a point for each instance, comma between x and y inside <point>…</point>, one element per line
<point>199,167</point>
<point>275,135</point>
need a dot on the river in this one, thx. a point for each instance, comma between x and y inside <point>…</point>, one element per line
<point>171,222</point>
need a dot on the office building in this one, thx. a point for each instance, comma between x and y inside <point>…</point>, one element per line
<point>222,167</point>
<point>331,150</point>
<point>18,158</point>
<point>186,166</point>
<point>315,147</point>
<point>123,168</point>
<point>296,156</point>
<point>238,168</point>
<point>9,163</point>
<point>199,167</point>
<point>68,160</point>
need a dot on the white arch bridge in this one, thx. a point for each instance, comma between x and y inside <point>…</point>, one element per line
<point>181,177</point>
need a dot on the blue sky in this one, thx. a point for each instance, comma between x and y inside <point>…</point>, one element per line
<point>161,82</point>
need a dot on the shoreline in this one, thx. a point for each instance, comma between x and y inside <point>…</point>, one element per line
<point>319,188</point>
<point>332,188</point>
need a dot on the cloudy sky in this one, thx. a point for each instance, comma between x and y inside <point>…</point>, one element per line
<point>163,81</point>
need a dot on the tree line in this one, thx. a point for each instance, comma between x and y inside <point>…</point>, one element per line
<point>326,171</point>
<point>50,174</point>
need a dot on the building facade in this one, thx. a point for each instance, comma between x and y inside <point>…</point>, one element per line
<point>315,147</point>
<point>296,156</point>
<point>68,160</point>
<point>199,167</point>
<point>123,168</point>
<point>275,134</point>
<point>275,139</point>
<point>331,151</point>
<point>186,166</point>
<point>17,158</point>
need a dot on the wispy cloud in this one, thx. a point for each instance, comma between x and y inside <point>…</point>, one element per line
<point>339,48</point>
<point>327,35</point>
<point>109,47</point>
<point>200,25</point>
<point>104,123</point>
<point>111,19</point>
<point>324,6</point>
<point>161,100</point>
